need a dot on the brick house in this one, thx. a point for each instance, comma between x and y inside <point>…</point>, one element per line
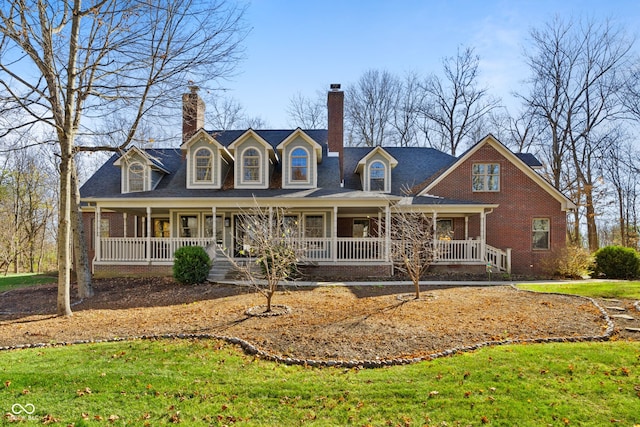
<point>490,205</point>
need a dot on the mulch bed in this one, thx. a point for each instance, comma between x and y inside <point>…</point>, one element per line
<point>325,323</point>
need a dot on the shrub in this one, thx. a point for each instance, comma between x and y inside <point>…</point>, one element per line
<point>574,262</point>
<point>191,265</point>
<point>617,262</point>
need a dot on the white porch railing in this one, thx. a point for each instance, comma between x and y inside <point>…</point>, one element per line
<point>458,250</point>
<point>136,249</point>
<point>129,249</point>
<point>499,258</point>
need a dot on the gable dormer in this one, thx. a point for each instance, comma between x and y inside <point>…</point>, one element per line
<point>208,161</point>
<point>375,170</point>
<point>254,161</point>
<point>139,171</point>
<point>300,156</point>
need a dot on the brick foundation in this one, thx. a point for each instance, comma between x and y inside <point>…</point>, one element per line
<point>347,272</point>
<point>107,271</point>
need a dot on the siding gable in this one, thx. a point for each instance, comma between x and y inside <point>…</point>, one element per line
<point>363,168</point>
<point>152,172</point>
<point>266,159</point>
<point>299,140</point>
<point>220,160</point>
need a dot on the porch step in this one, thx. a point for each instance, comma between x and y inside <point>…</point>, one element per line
<point>222,269</point>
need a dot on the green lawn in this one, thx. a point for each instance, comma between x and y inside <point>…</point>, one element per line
<point>212,383</point>
<point>12,281</point>
<point>615,289</point>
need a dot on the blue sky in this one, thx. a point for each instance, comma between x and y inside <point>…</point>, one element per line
<point>304,45</point>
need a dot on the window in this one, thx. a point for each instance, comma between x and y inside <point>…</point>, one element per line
<point>161,227</point>
<point>251,165</point>
<point>444,229</point>
<point>299,165</point>
<point>203,165</point>
<point>540,233</point>
<point>376,177</point>
<point>188,226</point>
<point>360,228</point>
<point>486,177</point>
<point>104,227</point>
<point>314,226</point>
<point>208,228</point>
<point>136,177</point>
<point>291,225</point>
<point>104,230</point>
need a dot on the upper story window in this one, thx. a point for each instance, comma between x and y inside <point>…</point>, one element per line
<point>300,165</point>
<point>376,176</point>
<point>136,177</point>
<point>251,165</point>
<point>486,177</point>
<point>203,165</point>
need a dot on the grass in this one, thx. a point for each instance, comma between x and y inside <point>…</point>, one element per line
<point>12,281</point>
<point>598,289</point>
<point>212,383</point>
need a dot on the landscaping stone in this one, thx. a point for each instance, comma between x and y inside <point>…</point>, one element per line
<point>633,329</point>
<point>622,316</point>
<point>615,308</point>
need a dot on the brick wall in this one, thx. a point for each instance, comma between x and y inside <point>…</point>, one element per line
<point>520,200</point>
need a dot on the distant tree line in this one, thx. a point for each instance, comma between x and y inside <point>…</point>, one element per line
<point>28,203</point>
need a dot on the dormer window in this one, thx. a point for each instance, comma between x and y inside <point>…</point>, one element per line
<point>377,176</point>
<point>204,165</point>
<point>251,165</point>
<point>299,165</point>
<point>136,177</point>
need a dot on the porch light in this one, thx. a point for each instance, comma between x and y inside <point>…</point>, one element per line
<point>227,222</point>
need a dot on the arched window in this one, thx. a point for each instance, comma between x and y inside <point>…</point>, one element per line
<point>376,176</point>
<point>300,165</point>
<point>251,165</point>
<point>136,177</point>
<point>203,165</point>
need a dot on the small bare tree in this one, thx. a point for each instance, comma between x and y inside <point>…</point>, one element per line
<point>413,245</point>
<point>269,240</point>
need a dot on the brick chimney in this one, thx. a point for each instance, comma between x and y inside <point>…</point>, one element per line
<point>192,113</point>
<point>335,124</point>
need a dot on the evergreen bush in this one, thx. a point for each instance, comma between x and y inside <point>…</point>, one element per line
<point>191,265</point>
<point>617,262</point>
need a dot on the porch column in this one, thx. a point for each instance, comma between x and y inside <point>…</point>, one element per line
<point>96,232</point>
<point>387,233</point>
<point>124,224</point>
<point>435,234</point>
<point>334,235</point>
<point>148,234</point>
<point>483,235</point>
<point>214,232</point>
<point>466,227</point>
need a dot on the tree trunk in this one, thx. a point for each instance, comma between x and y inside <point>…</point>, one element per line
<point>592,229</point>
<point>64,233</point>
<point>269,296</point>
<point>83,272</point>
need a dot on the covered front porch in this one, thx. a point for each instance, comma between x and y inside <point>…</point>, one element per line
<point>339,235</point>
